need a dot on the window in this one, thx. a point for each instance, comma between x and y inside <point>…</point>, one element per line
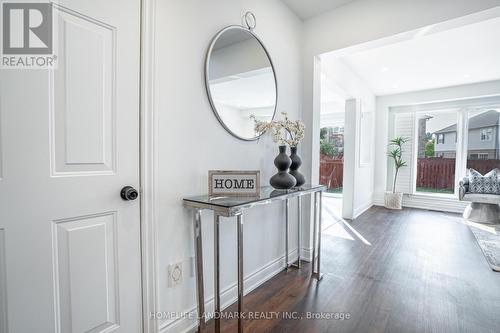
<point>332,153</point>
<point>486,134</point>
<point>440,139</point>
<point>446,139</point>
<point>480,156</point>
<point>483,142</point>
<point>483,156</point>
<point>436,162</point>
<point>338,129</point>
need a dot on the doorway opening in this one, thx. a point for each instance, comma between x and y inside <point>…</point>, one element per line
<point>331,166</point>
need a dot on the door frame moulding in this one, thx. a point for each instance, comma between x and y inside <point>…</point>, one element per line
<point>148,166</point>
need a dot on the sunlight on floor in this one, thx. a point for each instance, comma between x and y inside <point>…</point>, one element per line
<point>332,211</point>
<point>357,234</point>
<point>483,227</point>
<point>338,230</point>
<point>335,225</point>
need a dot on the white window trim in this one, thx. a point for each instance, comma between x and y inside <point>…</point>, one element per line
<point>412,161</point>
<point>462,143</point>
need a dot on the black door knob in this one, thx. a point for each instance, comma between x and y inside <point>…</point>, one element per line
<point>129,193</point>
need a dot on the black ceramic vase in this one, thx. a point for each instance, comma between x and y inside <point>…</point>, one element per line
<point>282,180</point>
<point>294,167</point>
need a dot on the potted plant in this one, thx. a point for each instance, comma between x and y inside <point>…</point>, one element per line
<point>393,199</point>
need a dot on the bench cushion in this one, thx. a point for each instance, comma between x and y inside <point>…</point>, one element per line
<point>487,184</point>
<point>482,198</point>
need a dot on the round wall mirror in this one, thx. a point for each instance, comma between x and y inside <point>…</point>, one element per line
<point>240,81</point>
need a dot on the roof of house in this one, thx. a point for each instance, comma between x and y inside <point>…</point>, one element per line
<point>485,119</point>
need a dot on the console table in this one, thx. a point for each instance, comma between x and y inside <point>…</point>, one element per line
<point>235,206</point>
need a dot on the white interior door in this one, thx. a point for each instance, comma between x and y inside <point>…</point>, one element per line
<point>69,141</point>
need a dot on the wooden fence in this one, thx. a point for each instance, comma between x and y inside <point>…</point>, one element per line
<point>331,172</point>
<point>437,173</point>
<point>483,166</point>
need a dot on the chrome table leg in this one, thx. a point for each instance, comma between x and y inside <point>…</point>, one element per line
<point>314,232</point>
<point>299,232</point>
<point>320,276</point>
<point>287,213</point>
<point>240,272</point>
<point>216,274</point>
<point>199,269</point>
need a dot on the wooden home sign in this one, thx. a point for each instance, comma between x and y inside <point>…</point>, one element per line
<point>233,183</point>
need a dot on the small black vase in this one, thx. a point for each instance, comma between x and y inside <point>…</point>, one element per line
<point>282,180</point>
<point>294,167</point>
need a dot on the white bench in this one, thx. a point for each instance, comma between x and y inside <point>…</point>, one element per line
<point>483,208</point>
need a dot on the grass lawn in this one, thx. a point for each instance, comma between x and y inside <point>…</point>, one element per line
<point>334,190</point>
<point>435,190</point>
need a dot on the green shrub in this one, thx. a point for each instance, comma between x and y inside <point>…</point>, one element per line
<point>429,148</point>
<point>328,149</point>
<point>322,133</point>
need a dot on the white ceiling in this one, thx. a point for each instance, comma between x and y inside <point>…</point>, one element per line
<point>459,56</point>
<point>305,9</point>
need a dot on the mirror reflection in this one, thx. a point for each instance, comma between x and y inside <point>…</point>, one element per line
<point>240,81</point>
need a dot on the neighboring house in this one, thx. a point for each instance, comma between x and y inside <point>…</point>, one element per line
<point>483,139</point>
<point>335,136</point>
<point>423,136</point>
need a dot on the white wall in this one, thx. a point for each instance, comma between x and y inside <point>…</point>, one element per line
<point>3,283</point>
<point>191,142</point>
<point>419,97</point>
<point>360,22</point>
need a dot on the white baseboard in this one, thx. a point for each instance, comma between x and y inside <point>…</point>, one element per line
<point>360,210</point>
<point>229,295</point>
<point>306,254</point>
<point>437,203</point>
<point>378,199</point>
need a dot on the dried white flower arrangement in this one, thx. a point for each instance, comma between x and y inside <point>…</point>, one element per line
<point>283,131</point>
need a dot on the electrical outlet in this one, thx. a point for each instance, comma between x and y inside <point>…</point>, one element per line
<point>175,274</point>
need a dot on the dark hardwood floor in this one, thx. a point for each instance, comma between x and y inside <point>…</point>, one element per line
<point>395,271</point>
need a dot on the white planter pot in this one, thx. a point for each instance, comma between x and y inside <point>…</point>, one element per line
<point>393,200</point>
